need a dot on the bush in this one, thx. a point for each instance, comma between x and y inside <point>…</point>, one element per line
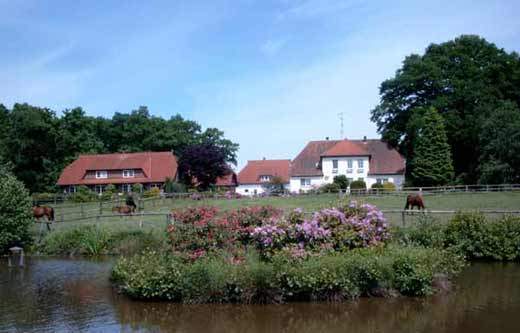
<point>378,272</point>
<point>478,238</point>
<point>341,181</point>
<point>377,186</point>
<point>83,194</point>
<point>94,240</point>
<point>389,187</point>
<point>154,192</point>
<point>329,188</point>
<point>137,188</point>
<point>469,234</point>
<point>108,193</point>
<point>15,212</point>
<point>358,185</point>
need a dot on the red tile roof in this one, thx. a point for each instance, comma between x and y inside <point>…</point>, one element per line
<point>346,148</point>
<point>307,161</point>
<point>156,166</point>
<point>383,159</point>
<point>251,173</point>
<point>227,180</point>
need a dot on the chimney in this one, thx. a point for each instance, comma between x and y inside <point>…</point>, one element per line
<point>327,138</point>
<point>365,138</point>
<point>263,158</point>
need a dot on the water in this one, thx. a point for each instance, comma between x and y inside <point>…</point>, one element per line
<point>56,295</point>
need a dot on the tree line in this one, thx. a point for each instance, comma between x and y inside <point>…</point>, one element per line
<point>37,144</point>
<point>454,113</point>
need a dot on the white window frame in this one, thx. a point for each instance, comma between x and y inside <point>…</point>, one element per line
<point>101,174</point>
<point>129,173</point>
<point>127,188</point>
<point>101,189</point>
<point>361,163</point>
<point>335,168</point>
<point>265,178</point>
<point>304,182</point>
<point>350,164</point>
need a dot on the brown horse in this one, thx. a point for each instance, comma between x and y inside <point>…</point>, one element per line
<point>41,211</point>
<point>413,200</point>
<point>123,210</point>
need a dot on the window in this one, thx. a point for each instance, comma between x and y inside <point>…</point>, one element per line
<point>128,173</point>
<point>350,164</point>
<point>99,188</point>
<point>382,180</point>
<point>305,182</point>
<point>361,165</point>
<point>246,190</point>
<point>127,188</point>
<point>334,166</point>
<point>72,189</point>
<point>101,174</point>
<point>265,178</point>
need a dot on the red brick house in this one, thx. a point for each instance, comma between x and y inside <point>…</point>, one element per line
<point>122,170</point>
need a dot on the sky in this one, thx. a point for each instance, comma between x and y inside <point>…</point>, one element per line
<point>272,74</point>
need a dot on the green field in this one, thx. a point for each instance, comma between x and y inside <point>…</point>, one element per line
<point>70,213</point>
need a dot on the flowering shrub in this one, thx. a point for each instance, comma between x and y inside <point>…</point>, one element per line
<point>201,230</point>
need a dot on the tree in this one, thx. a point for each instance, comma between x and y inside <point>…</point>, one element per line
<point>15,211</point>
<point>31,146</point>
<point>464,79</point>
<point>431,164</point>
<point>500,146</point>
<point>275,185</point>
<point>202,163</point>
<point>342,181</point>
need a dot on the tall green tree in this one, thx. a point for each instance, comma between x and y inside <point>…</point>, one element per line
<point>464,79</point>
<point>500,146</point>
<point>432,163</point>
<point>31,145</point>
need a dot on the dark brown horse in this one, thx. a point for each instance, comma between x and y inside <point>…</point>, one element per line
<point>123,210</point>
<point>41,211</point>
<point>413,200</point>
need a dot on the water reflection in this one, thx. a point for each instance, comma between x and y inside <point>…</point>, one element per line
<point>75,295</point>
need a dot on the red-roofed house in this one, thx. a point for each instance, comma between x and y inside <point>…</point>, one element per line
<point>372,161</point>
<point>122,170</point>
<point>254,177</point>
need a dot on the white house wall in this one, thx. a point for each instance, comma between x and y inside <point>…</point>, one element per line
<point>397,179</point>
<point>355,174</point>
<point>252,189</point>
<point>296,187</point>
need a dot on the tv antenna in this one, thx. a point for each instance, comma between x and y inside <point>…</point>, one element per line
<point>340,115</point>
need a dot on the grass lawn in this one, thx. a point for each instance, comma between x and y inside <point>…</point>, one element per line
<point>454,201</point>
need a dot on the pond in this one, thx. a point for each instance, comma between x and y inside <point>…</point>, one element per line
<point>56,294</point>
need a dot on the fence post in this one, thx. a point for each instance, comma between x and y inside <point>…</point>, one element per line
<point>100,207</point>
<point>487,188</point>
<point>466,188</point>
<point>82,210</point>
<point>61,214</point>
<point>403,218</point>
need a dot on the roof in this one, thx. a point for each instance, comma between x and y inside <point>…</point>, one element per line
<point>347,148</point>
<point>307,161</point>
<point>251,173</point>
<point>383,158</point>
<point>227,180</point>
<point>156,166</point>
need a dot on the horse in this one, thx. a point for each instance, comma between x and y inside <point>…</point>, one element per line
<point>413,200</point>
<point>41,211</point>
<point>126,210</point>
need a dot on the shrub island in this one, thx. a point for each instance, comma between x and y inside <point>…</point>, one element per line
<point>260,255</point>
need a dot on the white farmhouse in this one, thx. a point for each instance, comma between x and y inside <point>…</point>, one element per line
<point>256,175</point>
<point>372,161</point>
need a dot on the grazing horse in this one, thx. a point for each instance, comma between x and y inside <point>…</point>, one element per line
<point>413,200</point>
<point>41,211</point>
<point>126,210</point>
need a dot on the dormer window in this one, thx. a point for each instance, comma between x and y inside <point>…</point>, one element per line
<point>265,178</point>
<point>129,173</point>
<point>101,174</point>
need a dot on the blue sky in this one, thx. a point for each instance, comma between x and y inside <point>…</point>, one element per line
<point>271,74</point>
